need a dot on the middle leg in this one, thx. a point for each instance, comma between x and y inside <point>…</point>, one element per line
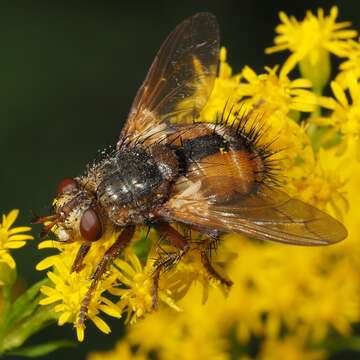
<point>167,261</point>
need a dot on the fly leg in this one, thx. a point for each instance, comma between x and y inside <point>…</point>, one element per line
<point>168,260</point>
<point>78,265</point>
<point>208,245</point>
<point>112,253</point>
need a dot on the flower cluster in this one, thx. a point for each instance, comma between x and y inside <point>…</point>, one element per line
<point>286,302</point>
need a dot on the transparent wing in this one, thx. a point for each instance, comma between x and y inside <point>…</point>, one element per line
<point>213,196</point>
<point>180,79</point>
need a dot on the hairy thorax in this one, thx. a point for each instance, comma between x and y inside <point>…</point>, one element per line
<point>132,183</point>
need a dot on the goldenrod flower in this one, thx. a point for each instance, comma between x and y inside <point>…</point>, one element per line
<point>352,63</point>
<point>311,41</point>
<point>68,289</point>
<point>136,289</point>
<point>345,106</point>
<point>320,181</point>
<point>288,298</point>
<point>282,93</point>
<point>11,238</point>
<point>278,101</point>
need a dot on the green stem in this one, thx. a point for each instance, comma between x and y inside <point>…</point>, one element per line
<point>6,297</point>
<point>16,336</point>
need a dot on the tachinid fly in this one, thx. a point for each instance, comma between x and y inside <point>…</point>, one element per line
<point>169,167</point>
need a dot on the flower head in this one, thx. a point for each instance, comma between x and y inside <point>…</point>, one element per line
<point>68,289</point>
<point>345,106</point>
<point>136,287</point>
<point>311,41</point>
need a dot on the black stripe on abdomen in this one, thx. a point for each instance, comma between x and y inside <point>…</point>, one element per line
<point>198,148</point>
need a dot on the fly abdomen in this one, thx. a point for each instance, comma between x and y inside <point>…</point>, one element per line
<point>224,153</point>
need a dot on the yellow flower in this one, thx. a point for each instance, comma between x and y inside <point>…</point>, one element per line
<point>11,238</point>
<point>310,42</point>
<point>223,92</point>
<point>69,289</point>
<point>282,93</point>
<point>345,106</point>
<point>137,287</point>
<point>277,99</point>
<point>320,181</point>
<point>352,64</point>
<point>195,333</point>
<point>278,93</point>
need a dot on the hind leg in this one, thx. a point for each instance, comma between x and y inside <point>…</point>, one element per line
<point>206,261</point>
<point>207,246</point>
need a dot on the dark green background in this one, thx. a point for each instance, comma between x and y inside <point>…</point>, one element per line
<point>69,72</point>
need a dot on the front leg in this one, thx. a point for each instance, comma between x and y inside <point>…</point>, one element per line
<point>112,253</point>
<point>167,261</point>
<point>78,264</point>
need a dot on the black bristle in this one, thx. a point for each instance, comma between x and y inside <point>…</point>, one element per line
<point>250,127</point>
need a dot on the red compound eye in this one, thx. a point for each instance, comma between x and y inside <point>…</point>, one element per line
<point>90,225</point>
<point>67,185</point>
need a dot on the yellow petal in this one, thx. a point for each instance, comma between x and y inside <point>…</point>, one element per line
<point>47,290</point>
<point>19,229</point>
<point>289,64</point>
<point>8,259</point>
<point>20,237</point>
<point>339,94</point>
<point>328,103</point>
<point>353,86</point>
<point>63,318</point>
<point>134,260</point>
<point>14,244</point>
<point>9,219</point>
<point>302,106</point>
<point>47,244</point>
<point>125,268</point>
<point>113,311</point>
<point>249,74</point>
<point>50,299</point>
<point>101,324</point>
<point>80,333</point>
<point>47,262</point>
<point>301,83</point>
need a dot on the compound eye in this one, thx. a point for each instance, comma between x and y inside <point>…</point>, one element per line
<point>67,185</point>
<point>90,225</point>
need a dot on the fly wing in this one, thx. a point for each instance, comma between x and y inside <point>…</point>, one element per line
<point>216,196</point>
<point>179,81</point>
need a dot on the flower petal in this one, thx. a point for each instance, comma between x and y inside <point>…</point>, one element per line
<point>101,324</point>
<point>20,237</point>
<point>14,244</point>
<point>10,218</point>
<point>19,229</point>
<point>47,262</point>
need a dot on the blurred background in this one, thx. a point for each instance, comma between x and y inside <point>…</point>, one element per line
<point>69,73</point>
